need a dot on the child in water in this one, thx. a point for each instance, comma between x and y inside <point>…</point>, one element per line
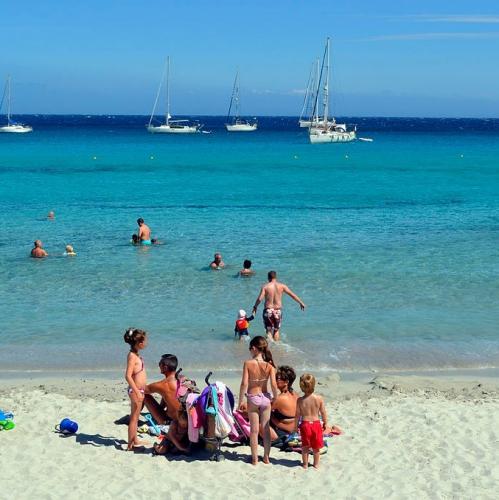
<point>242,324</point>
<point>308,409</point>
<point>136,377</point>
<point>69,251</point>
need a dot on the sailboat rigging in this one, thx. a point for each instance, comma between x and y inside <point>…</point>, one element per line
<point>170,126</point>
<point>321,129</point>
<point>238,124</point>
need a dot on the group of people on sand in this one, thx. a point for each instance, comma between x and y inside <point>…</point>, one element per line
<point>266,397</point>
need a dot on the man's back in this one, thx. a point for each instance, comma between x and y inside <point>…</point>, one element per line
<point>144,232</point>
<point>167,389</point>
<point>273,294</point>
<point>38,253</point>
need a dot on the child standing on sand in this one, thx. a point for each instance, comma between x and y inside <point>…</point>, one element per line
<point>308,409</point>
<point>136,377</point>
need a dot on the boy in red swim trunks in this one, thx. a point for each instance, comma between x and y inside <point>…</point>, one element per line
<point>308,408</point>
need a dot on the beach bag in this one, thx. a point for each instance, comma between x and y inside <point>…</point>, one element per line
<point>185,386</point>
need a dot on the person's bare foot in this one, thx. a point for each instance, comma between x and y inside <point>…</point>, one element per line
<point>305,466</point>
<point>316,467</point>
<point>266,460</point>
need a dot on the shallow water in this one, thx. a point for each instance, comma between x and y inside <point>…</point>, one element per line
<point>393,245</point>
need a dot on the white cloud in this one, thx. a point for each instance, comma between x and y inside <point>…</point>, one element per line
<point>433,36</point>
<point>459,18</point>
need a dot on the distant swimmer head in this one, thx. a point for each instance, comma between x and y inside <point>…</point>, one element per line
<point>135,239</point>
<point>241,313</point>
<point>140,221</point>
<point>38,244</point>
<point>272,275</point>
<point>247,264</point>
<point>217,257</point>
<point>51,215</point>
<point>136,338</point>
<point>168,363</point>
<point>69,249</point>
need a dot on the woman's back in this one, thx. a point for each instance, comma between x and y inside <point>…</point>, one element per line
<point>259,372</point>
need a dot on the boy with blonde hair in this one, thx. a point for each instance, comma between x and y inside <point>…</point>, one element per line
<point>308,409</point>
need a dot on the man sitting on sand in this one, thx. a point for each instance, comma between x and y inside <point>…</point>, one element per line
<point>246,270</point>
<point>168,409</point>
<point>144,233</point>
<point>272,315</point>
<point>217,263</point>
<point>37,252</point>
<point>167,387</point>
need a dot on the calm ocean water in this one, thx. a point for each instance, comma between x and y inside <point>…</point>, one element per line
<point>393,245</point>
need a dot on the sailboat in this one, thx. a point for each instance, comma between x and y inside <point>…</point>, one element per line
<point>323,130</point>
<point>170,126</point>
<point>309,98</point>
<point>238,124</point>
<point>12,126</point>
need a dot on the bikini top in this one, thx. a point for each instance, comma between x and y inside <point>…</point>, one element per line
<point>261,373</point>
<point>141,367</point>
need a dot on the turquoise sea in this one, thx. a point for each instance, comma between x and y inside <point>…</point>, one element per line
<point>393,245</point>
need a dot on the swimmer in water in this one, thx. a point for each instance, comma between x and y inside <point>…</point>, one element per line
<point>69,251</point>
<point>144,233</point>
<point>51,215</point>
<point>135,241</point>
<point>217,263</point>
<point>246,270</point>
<point>37,252</point>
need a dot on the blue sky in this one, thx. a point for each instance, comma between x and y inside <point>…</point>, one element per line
<point>390,58</point>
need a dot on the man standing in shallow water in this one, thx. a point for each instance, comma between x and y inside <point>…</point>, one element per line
<point>144,232</point>
<point>37,251</point>
<point>272,314</point>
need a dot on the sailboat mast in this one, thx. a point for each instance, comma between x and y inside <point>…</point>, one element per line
<point>306,100</point>
<point>168,91</point>
<point>326,86</point>
<point>8,100</point>
<point>237,95</point>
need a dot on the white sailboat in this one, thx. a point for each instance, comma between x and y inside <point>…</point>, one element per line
<point>238,124</point>
<point>170,126</point>
<point>12,126</point>
<point>322,130</point>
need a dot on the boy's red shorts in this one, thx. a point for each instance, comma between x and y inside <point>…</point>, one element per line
<point>311,434</point>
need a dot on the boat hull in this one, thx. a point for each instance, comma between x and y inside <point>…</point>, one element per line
<point>166,129</point>
<point>321,137</point>
<point>241,127</point>
<point>16,129</point>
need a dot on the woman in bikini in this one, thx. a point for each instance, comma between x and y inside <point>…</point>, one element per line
<point>257,372</point>
<point>136,377</point>
<point>282,420</point>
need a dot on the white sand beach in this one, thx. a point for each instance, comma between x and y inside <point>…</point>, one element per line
<point>404,437</point>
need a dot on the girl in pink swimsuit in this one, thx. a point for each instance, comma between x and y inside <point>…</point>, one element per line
<point>136,377</point>
<point>257,373</point>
